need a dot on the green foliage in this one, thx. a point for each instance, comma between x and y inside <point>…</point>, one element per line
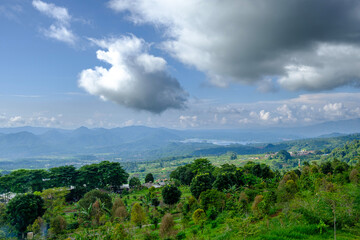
<point>155,202</point>
<point>200,184</point>
<point>22,210</point>
<point>212,199</point>
<point>138,216</point>
<point>58,225</point>
<point>199,216</point>
<point>92,196</point>
<point>54,201</point>
<point>134,182</point>
<point>149,178</point>
<point>102,175</point>
<point>225,181</point>
<point>201,166</point>
<point>171,194</point>
<point>183,173</point>
<point>64,176</point>
<point>283,155</point>
<point>233,156</point>
<point>346,153</point>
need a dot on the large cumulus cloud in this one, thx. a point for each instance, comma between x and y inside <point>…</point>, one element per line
<point>135,79</point>
<point>304,44</point>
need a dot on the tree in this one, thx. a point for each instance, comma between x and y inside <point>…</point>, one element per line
<point>118,210</point>
<point>183,173</point>
<point>64,176</point>
<point>112,175</point>
<point>225,181</point>
<point>92,196</point>
<point>171,194</point>
<point>22,210</point>
<point>149,178</point>
<point>233,156</point>
<point>54,201</point>
<point>36,177</point>
<point>200,184</point>
<point>212,198</point>
<point>167,226</point>
<point>201,166</point>
<point>137,215</point>
<point>89,177</point>
<point>101,175</point>
<point>283,155</point>
<point>134,182</point>
<point>326,167</point>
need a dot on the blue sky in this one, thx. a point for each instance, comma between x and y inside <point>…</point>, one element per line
<point>232,64</point>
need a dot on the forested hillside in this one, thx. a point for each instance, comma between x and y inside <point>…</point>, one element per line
<point>319,200</point>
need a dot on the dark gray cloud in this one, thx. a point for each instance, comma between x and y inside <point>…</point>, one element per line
<point>135,79</point>
<point>251,40</point>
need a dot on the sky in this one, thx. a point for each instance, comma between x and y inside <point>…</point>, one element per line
<point>178,64</point>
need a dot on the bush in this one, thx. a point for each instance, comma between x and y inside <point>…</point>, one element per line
<point>137,215</point>
<point>199,216</point>
<point>167,226</point>
<point>155,202</point>
<point>180,236</point>
<point>58,224</point>
<point>92,196</point>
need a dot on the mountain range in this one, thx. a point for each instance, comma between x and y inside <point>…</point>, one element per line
<point>139,142</point>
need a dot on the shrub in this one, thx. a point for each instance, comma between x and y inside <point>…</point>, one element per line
<point>92,196</point>
<point>137,215</point>
<point>199,216</point>
<point>167,226</point>
<point>155,202</point>
<point>58,224</point>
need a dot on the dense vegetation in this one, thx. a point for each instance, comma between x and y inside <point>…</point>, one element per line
<point>318,200</point>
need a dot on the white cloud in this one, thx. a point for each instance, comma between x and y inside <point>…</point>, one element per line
<point>17,121</point>
<point>135,79</point>
<point>264,115</point>
<point>333,65</point>
<point>305,109</point>
<point>51,10</point>
<point>60,30</point>
<point>299,42</point>
<point>188,121</point>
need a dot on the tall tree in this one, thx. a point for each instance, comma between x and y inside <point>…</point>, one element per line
<point>64,176</point>
<point>200,184</point>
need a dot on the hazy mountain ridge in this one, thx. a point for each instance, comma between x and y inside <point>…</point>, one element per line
<point>141,141</point>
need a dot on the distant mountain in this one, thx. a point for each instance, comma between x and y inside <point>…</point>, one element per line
<point>141,143</point>
<point>343,126</point>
